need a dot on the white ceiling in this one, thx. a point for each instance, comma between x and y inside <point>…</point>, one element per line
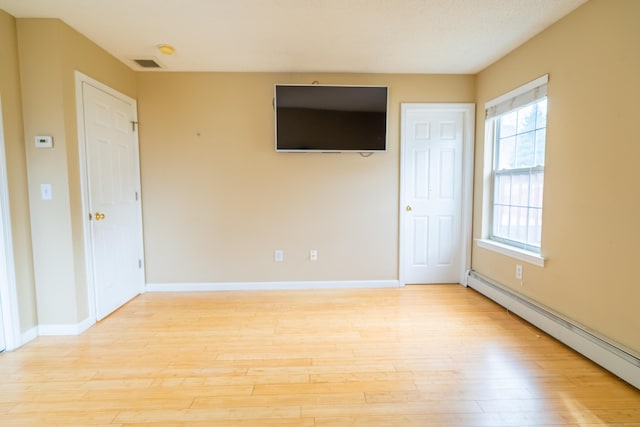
<point>368,36</point>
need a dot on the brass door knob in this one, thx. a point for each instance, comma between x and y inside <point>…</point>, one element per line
<point>409,208</point>
<point>99,216</point>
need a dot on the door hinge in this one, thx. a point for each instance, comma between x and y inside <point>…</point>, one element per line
<point>136,196</point>
<point>139,263</point>
<point>133,125</point>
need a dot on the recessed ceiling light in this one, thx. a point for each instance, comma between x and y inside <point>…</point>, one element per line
<point>166,49</point>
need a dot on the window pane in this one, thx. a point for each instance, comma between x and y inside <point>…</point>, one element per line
<point>518,224</point>
<point>507,153</point>
<point>503,190</point>
<point>541,136</point>
<point>527,118</point>
<point>535,190</point>
<point>541,114</point>
<point>501,221</point>
<point>508,124</point>
<point>520,190</point>
<point>535,227</point>
<point>525,153</point>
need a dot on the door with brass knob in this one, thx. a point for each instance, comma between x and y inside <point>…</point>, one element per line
<point>431,169</point>
<point>113,198</point>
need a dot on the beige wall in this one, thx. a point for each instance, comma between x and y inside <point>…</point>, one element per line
<point>16,170</point>
<point>592,197</point>
<point>50,52</point>
<point>217,198</point>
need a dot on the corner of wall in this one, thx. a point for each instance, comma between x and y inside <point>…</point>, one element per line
<point>10,90</point>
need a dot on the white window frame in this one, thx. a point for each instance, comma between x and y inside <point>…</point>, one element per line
<point>514,99</point>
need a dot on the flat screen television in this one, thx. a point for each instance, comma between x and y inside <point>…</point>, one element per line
<point>323,118</point>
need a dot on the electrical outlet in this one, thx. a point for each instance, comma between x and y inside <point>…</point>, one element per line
<point>278,255</point>
<point>518,272</point>
<point>313,255</point>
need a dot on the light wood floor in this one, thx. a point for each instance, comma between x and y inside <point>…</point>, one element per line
<point>436,355</point>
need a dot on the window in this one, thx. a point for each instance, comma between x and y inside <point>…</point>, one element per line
<point>517,124</point>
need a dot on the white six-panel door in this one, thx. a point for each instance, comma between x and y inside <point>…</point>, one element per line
<point>432,196</point>
<point>113,193</point>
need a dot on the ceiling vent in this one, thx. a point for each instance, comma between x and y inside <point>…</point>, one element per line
<point>148,63</point>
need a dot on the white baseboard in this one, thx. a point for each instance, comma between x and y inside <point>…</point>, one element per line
<point>605,352</point>
<point>53,330</point>
<point>268,286</point>
<point>28,336</point>
<point>65,329</point>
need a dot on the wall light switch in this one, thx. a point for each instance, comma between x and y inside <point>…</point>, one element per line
<point>44,141</point>
<point>46,192</point>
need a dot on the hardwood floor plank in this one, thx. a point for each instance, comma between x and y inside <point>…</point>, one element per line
<point>337,387</point>
<point>281,422</point>
<point>280,400</point>
<point>44,418</point>
<point>104,404</point>
<point>231,415</point>
<point>433,407</point>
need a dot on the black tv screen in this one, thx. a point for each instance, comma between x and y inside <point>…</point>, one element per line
<point>326,118</point>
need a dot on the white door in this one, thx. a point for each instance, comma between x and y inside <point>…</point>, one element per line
<point>113,197</point>
<point>431,194</point>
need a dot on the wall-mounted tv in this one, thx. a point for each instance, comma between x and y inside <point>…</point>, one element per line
<point>323,118</point>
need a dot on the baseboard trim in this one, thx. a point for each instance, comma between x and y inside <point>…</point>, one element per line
<point>269,286</point>
<point>65,329</point>
<point>612,356</point>
<point>54,330</point>
<point>28,336</point>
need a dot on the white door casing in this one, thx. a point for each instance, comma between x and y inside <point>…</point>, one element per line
<point>10,336</point>
<point>111,195</point>
<point>436,188</point>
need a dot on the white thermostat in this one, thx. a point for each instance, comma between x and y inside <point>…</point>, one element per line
<point>44,141</point>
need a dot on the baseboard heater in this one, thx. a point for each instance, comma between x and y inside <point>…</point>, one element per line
<point>612,356</point>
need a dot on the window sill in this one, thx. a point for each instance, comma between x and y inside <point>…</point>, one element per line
<point>521,254</point>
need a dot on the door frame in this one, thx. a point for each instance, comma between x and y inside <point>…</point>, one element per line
<point>81,78</point>
<point>468,110</point>
<point>8,283</point>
